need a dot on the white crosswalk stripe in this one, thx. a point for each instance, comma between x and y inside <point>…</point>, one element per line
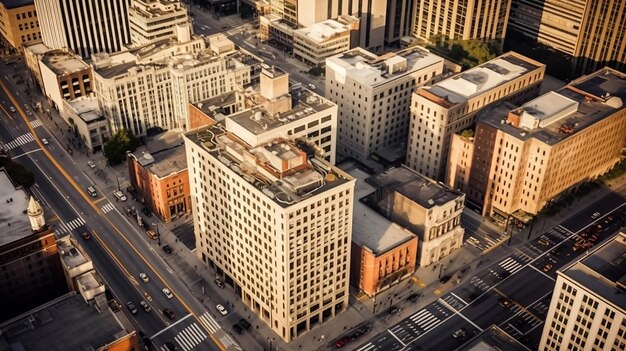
<point>19,141</point>
<point>510,265</point>
<point>227,340</point>
<point>36,123</point>
<point>209,323</point>
<point>107,208</point>
<point>71,225</point>
<point>189,337</point>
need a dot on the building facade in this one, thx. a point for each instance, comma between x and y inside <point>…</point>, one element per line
<point>451,105</point>
<point>18,23</point>
<point>65,77</point>
<point>152,86</point>
<point>590,31</point>
<point>525,157</point>
<point>285,212</point>
<point>84,26</point>
<point>587,310</point>
<point>461,19</point>
<point>152,20</point>
<point>373,93</point>
<point>88,120</point>
<point>399,20</point>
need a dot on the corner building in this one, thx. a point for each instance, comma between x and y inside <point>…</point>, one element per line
<point>275,222</point>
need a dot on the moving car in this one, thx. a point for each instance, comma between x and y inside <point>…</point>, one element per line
<point>311,86</point>
<point>92,191</point>
<point>168,293</point>
<point>86,235</point>
<point>44,141</point>
<point>91,164</point>
<point>12,109</point>
<point>168,250</point>
<point>131,307</point>
<point>144,277</point>
<point>222,310</point>
<point>595,215</point>
<point>169,313</point>
<point>543,242</point>
<point>458,333</point>
<point>342,342</point>
<point>145,306</point>
<point>152,234</point>
<point>548,267</point>
<point>505,301</point>
<point>119,195</point>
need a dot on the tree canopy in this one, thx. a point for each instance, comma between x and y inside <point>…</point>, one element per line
<point>121,142</point>
<point>468,53</point>
<point>17,172</point>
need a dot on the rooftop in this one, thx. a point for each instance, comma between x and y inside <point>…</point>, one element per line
<point>14,223</point>
<point>557,115</point>
<point>166,154</point>
<point>66,323</point>
<point>282,170</point>
<point>603,271</point>
<point>493,338</point>
<point>372,70</point>
<point>370,229</point>
<point>154,8</point>
<point>37,48</point>
<point>482,78</point>
<point>320,32</point>
<point>11,4</point>
<point>70,255</point>
<point>63,62</point>
<point>420,189</point>
<point>87,108</point>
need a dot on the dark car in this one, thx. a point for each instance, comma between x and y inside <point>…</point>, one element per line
<point>86,235</point>
<point>131,307</point>
<point>342,342</point>
<point>413,298</point>
<point>146,211</point>
<point>169,313</point>
<point>237,328</point>
<point>505,301</point>
<point>245,324</point>
<point>393,310</point>
<point>170,346</point>
<point>168,250</point>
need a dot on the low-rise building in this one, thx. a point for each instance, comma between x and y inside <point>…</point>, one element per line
<point>84,115</point>
<point>374,95</point>
<point>160,176</point>
<point>18,22</point>
<point>153,20</point>
<point>31,269</point>
<point>65,76</point>
<point>451,105</point>
<point>32,56</point>
<point>427,208</point>
<point>492,338</point>
<point>588,306</point>
<point>383,252</point>
<point>523,157</point>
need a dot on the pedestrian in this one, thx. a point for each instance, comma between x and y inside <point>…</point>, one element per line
<point>257,327</point>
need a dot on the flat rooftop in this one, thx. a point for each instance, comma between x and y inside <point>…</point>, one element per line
<point>284,177</point>
<point>491,339</point>
<point>321,32</point>
<point>14,223</point>
<point>63,62</point>
<point>37,48</point>
<point>164,154</point>
<point>369,228</point>
<point>70,255</point>
<point>482,78</point>
<point>66,323</point>
<point>420,189</point>
<point>87,108</point>
<point>603,271</point>
<point>304,103</point>
<point>556,116</point>
<point>372,70</point>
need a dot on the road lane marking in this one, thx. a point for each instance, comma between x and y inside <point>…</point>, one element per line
<point>170,326</point>
<point>394,335</point>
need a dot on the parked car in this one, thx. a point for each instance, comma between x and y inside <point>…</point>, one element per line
<point>168,293</point>
<point>146,212</point>
<point>91,164</point>
<point>219,283</point>
<point>237,328</point>
<point>543,242</point>
<point>394,310</point>
<point>595,215</point>
<point>311,86</point>
<point>131,307</point>
<point>119,195</point>
<point>145,306</point>
<point>222,309</point>
<point>460,333</point>
<point>152,234</point>
<point>169,313</point>
<point>144,277</point>
<point>413,298</point>
<point>342,342</point>
<point>245,324</point>
<point>168,250</point>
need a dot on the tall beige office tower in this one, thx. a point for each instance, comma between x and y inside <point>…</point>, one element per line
<point>521,158</point>
<point>271,217</point>
<point>591,31</point>
<point>399,19</point>
<point>84,26</point>
<point>461,19</point>
<point>374,93</point>
<point>588,307</point>
<point>152,20</point>
<point>451,105</point>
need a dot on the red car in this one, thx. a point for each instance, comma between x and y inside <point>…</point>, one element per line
<point>342,342</point>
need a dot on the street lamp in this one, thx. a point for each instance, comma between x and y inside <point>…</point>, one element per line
<point>118,182</point>
<point>440,270</point>
<point>158,234</point>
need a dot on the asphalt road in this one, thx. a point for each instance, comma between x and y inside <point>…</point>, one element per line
<point>513,293</point>
<point>119,250</point>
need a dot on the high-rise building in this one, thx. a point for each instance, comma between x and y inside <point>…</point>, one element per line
<point>271,217</point>
<point>151,86</point>
<point>374,93</point>
<point>521,158</point>
<point>152,20</point>
<point>399,19</point>
<point>588,309</point>
<point>439,111</point>
<point>18,22</point>
<point>84,26</point>
<point>461,19</point>
<point>592,32</point>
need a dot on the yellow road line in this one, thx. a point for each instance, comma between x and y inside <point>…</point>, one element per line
<point>98,210</point>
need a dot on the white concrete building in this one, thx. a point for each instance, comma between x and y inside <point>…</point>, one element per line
<point>448,107</point>
<point>152,86</point>
<point>588,307</point>
<point>313,44</point>
<point>87,118</point>
<point>274,221</point>
<point>373,93</point>
<point>152,20</point>
<point>84,26</point>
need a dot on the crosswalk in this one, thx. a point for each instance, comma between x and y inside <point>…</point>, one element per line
<point>454,301</point>
<point>483,243</point>
<point>36,123</point>
<point>19,141</point>
<point>209,323</point>
<point>107,208</point>
<point>71,225</point>
<point>511,265</point>
<point>425,320</point>
<point>189,337</point>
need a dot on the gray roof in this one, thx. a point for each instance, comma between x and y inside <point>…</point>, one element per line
<point>493,338</point>
<point>14,223</point>
<point>11,4</point>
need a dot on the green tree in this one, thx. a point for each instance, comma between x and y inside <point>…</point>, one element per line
<point>17,172</point>
<point>115,150</point>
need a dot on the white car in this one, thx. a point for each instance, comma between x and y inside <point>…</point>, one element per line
<point>595,215</point>
<point>144,277</point>
<point>221,309</point>
<point>120,195</point>
<point>12,109</point>
<point>91,164</point>
<point>44,141</point>
<point>168,293</point>
<point>29,113</point>
<point>311,86</point>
